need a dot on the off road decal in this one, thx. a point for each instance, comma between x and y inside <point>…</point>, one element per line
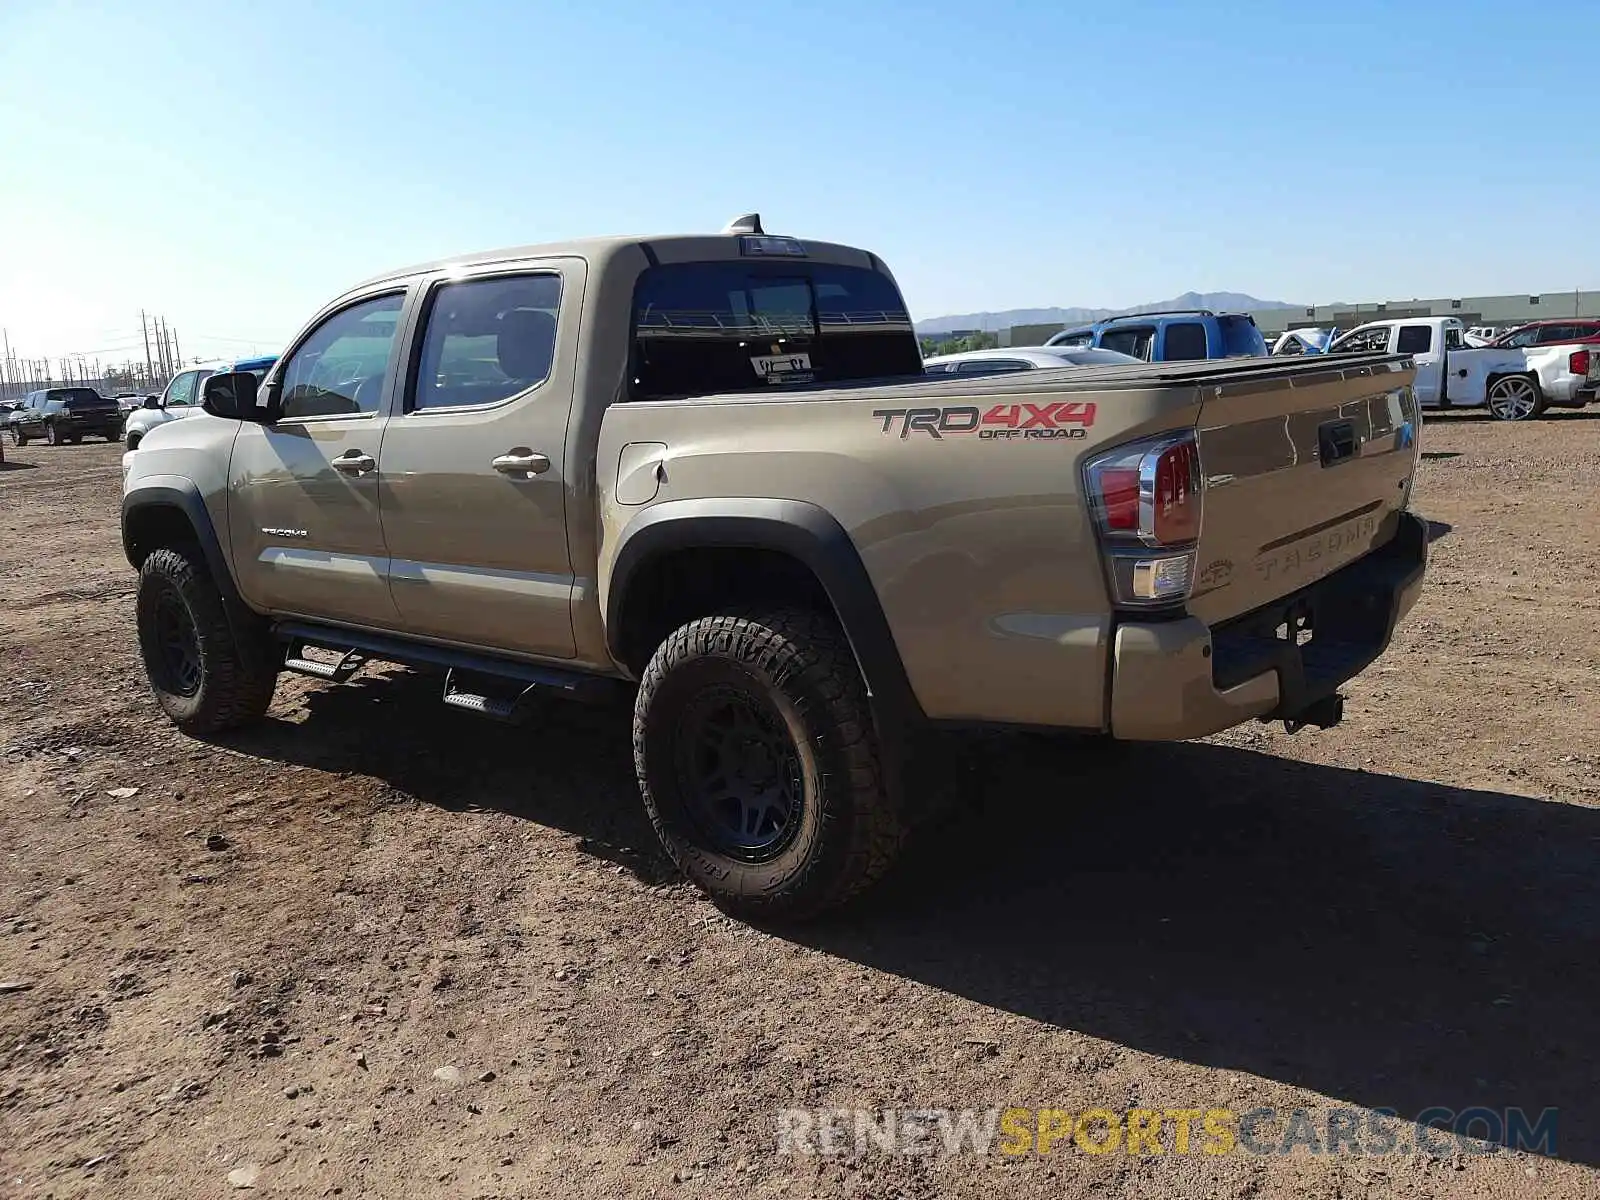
<point>1064,419</point>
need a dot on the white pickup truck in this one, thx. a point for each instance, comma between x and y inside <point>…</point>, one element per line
<point>1515,384</point>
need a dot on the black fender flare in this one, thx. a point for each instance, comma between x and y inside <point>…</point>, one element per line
<point>803,531</point>
<point>176,492</point>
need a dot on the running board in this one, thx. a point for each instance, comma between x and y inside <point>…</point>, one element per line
<point>339,672</point>
<point>480,703</point>
<point>363,646</point>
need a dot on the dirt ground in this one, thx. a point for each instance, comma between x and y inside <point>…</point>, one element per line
<point>243,964</point>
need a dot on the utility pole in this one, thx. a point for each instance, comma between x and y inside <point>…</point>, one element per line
<point>149,369</point>
<point>8,373</point>
<point>176,356</point>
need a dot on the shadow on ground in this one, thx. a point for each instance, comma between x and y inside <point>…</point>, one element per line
<point>1383,941</point>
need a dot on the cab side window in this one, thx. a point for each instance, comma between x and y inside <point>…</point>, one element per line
<point>343,368</point>
<point>1185,342</point>
<point>1414,339</point>
<point>487,340</point>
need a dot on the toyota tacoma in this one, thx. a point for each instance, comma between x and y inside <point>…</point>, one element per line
<point>707,473</point>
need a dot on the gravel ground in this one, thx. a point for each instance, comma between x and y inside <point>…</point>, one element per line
<point>375,947</point>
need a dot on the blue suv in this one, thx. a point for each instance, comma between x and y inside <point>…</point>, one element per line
<point>1176,336</point>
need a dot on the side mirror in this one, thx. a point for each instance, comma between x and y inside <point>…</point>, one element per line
<point>151,402</point>
<point>232,394</point>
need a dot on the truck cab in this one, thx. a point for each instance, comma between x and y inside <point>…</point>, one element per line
<point>1179,335</point>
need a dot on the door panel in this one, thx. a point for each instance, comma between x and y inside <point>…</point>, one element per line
<point>303,516</point>
<point>306,536</point>
<point>479,551</point>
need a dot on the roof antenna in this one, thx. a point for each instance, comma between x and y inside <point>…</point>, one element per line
<point>749,223</point>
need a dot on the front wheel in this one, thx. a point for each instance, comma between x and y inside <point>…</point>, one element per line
<point>208,673</point>
<point>759,764</point>
<point>19,437</point>
<point>1515,398</point>
<point>52,435</point>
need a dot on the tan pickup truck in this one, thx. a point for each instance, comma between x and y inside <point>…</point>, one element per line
<point>708,471</point>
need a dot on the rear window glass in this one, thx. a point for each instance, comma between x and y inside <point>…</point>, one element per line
<point>1078,337</point>
<point>1240,336</point>
<point>739,326</point>
<point>1185,342</point>
<point>74,395</point>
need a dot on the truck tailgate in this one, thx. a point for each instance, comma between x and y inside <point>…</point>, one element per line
<point>1303,474</point>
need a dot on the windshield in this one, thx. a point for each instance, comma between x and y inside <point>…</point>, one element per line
<point>736,326</point>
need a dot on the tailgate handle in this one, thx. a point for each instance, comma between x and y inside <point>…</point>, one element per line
<point>1336,441</point>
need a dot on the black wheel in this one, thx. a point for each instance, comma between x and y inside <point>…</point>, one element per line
<point>759,764</point>
<point>19,437</point>
<point>208,673</point>
<point>52,435</point>
<point>133,441</point>
<point>76,440</point>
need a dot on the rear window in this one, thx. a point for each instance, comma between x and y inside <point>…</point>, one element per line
<point>1185,341</point>
<point>1240,336</point>
<point>737,326</point>
<point>76,396</point>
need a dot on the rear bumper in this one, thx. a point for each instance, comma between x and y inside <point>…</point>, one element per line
<point>96,426</point>
<point>1181,679</point>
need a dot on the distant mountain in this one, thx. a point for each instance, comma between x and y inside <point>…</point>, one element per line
<point>1219,301</point>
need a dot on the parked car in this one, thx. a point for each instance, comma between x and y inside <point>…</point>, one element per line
<point>707,474</point>
<point>1182,335</point>
<point>1513,383</point>
<point>1567,331</point>
<point>1301,341</point>
<point>181,397</point>
<point>1023,358</point>
<point>66,414</point>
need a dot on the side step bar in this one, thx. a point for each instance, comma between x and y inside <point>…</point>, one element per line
<point>359,647</point>
<point>340,672</point>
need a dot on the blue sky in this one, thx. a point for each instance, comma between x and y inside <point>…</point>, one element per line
<point>233,165</point>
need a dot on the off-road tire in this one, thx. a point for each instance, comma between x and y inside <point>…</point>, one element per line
<point>236,674</point>
<point>848,828</point>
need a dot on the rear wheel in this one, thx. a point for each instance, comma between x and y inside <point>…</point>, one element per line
<point>209,673</point>
<point>1515,398</point>
<point>133,441</point>
<point>20,437</point>
<point>759,764</point>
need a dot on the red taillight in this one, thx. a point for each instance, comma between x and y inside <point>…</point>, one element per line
<point>1177,496</point>
<point>1146,500</point>
<point>1578,362</point>
<point>1119,498</point>
<point>1149,490</point>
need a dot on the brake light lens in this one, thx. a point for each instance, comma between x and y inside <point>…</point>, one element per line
<point>1176,517</point>
<point>1119,498</point>
<point>1578,362</point>
<point>1146,498</point>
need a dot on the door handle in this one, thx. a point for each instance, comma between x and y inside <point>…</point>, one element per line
<point>354,462</point>
<point>519,462</point>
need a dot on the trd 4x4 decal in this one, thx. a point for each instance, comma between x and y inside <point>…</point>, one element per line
<point>1062,419</point>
